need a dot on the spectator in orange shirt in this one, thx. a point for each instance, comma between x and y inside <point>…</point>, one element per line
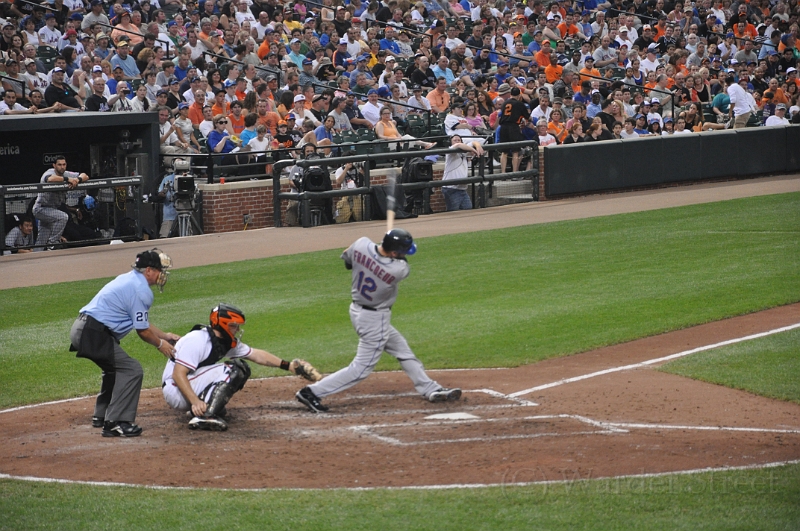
<point>745,30</point>
<point>196,109</point>
<point>439,98</point>
<point>267,117</point>
<point>569,29</point>
<point>542,57</point>
<point>236,118</point>
<point>589,70</point>
<point>241,88</point>
<point>553,71</point>
<point>220,106</point>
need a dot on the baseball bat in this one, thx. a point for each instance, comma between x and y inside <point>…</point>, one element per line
<point>390,203</point>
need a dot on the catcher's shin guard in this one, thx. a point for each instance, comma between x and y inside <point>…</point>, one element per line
<point>224,391</point>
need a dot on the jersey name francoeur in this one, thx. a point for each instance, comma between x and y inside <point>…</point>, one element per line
<point>375,277</point>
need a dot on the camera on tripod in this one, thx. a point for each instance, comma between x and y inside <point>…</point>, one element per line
<point>184,185</point>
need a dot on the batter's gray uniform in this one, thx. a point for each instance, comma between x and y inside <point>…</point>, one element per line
<point>374,290</point>
<point>51,220</point>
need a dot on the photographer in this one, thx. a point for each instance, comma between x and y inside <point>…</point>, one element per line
<point>350,208</point>
<point>166,191</point>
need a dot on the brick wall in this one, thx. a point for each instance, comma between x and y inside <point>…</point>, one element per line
<point>224,205</point>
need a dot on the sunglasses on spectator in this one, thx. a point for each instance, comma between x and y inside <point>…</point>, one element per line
<point>223,122</point>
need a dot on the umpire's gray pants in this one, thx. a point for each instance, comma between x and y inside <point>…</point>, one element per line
<point>51,224</point>
<point>376,335</point>
<point>119,390</point>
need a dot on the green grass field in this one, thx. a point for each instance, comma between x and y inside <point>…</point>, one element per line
<point>487,299</point>
<point>768,366</point>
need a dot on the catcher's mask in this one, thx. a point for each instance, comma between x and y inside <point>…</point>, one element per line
<point>228,320</point>
<point>156,259</point>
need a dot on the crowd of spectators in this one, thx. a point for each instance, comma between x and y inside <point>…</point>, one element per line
<point>632,67</point>
<point>231,76</point>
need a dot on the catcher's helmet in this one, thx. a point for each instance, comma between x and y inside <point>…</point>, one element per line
<point>399,240</point>
<point>228,320</point>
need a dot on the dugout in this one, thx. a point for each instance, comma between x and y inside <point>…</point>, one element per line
<point>103,145</point>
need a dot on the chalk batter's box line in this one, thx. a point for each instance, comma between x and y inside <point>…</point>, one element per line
<point>369,430</point>
<point>654,361</point>
<point>604,428</point>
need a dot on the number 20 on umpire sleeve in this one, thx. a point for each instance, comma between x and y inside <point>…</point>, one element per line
<point>366,285</point>
<point>141,317</point>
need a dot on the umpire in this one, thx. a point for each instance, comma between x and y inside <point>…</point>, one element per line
<point>121,306</point>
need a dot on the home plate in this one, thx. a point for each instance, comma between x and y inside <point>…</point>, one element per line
<point>451,416</point>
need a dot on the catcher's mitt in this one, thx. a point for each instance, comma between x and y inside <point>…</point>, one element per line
<point>306,370</point>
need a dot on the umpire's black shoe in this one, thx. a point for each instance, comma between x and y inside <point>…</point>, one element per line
<point>98,422</point>
<point>121,429</point>
<point>307,397</point>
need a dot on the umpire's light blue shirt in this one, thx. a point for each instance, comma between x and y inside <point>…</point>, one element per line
<point>123,304</point>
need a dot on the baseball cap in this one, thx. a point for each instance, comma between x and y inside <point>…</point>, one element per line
<point>294,41</point>
<point>182,105</point>
<point>640,115</point>
<point>48,15</point>
<point>174,81</point>
<point>594,91</point>
<point>97,2</point>
<point>363,57</point>
<point>118,67</point>
<point>390,58</point>
<point>372,91</point>
<point>652,46</point>
<point>734,61</point>
<point>654,120</point>
<point>343,40</point>
<point>355,20</point>
<point>229,83</point>
<point>668,120</point>
<point>27,62</point>
<point>282,123</point>
<point>11,61</point>
<point>195,79</point>
<point>780,106</point>
<point>416,88</point>
<point>790,70</point>
<point>505,88</point>
<point>122,44</point>
<point>646,27</point>
<point>97,68</point>
<point>299,97</point>
<point>655,100</point>
<point>291,116</point>
<point>623,29</point>
<point>162,92</point>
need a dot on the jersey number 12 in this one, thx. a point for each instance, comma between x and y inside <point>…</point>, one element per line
<point>365,286</point>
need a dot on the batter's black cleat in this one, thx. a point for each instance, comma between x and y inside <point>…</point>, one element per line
<point>307,397</point>
<point>445,395</point>
<point>121,429</point>
<point>98,422</point>
<point>208,424</point>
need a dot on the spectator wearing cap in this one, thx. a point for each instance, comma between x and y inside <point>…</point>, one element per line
<point>341,55</point>
<point>361,68</point>
<point>125,61</point>
<point>295,55</point>
<point>60,92</point>
<point>94,16</point>
<point>49,34</point>
<point>417,100</point>
<point>388,42</point>
<point>371,109</point>
<point>646,38</point>
<point>175,95</point>
<point>588,70</point>
<point>307,73</point>
<point>35,79</point>
<point>301,113</point>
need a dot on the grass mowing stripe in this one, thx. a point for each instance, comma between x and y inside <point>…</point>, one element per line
<point>487,299</point>
<point>768,366</point>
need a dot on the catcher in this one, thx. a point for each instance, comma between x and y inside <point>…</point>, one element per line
<point>195,379</point>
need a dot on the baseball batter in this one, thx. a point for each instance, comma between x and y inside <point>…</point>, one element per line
<point>52,220</point>
<point>377,271</point>
<point>195,380</point>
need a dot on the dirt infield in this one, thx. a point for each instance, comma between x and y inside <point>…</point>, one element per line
<point>381,434</point>
<point>554,420</point>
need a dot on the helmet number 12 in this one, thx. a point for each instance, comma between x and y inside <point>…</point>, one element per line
<point>366,285</point>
